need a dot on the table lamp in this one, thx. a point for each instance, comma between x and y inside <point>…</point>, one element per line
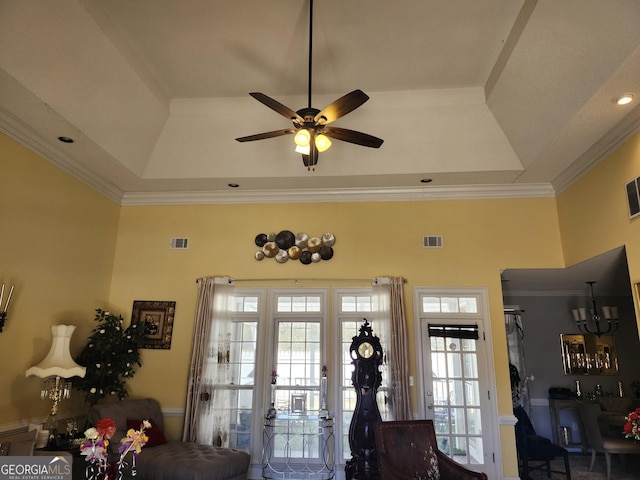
<point>56,367</point>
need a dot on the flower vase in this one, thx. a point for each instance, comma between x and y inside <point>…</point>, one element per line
<point>272,409</point>
<point>323,396</point>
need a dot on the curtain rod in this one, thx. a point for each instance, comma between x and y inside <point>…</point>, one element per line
<point>404,280</point>
<point>302,279</point>
<point>517,311</point>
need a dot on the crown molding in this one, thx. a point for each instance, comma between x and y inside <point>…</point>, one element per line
<point>542,293</point>
<point>24,135</point>
<point>559,293</point>
<point>462,192</point>
<point>608,143</point>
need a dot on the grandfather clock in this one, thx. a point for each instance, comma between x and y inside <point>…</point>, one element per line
<point>366,354</point>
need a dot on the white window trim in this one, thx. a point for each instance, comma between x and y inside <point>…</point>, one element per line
<point>336,397</point>
<point>270,355</point>
<point>322,315</point>
<point>482,317</point>
<point>257,420</point>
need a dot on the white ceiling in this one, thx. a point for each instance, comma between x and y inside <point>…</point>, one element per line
<point>485,97</point>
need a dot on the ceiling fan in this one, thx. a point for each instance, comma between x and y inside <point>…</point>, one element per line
<point>311,126</point>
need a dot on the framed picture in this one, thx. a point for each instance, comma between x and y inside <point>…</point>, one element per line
<point>298,403</point>
<point>157,320</point>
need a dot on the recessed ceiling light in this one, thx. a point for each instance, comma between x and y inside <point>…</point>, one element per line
<point>66,139</point>
<point>233,185</point>
<point>624,99</point>
<point>426,180</point>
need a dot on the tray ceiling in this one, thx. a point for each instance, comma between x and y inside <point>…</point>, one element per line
<point>487,97</point>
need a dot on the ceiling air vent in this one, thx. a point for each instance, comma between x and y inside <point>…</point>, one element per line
<point>179,243</point>
<point>432,241</point>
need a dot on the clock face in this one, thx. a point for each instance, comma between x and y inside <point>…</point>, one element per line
<point>365,350</point>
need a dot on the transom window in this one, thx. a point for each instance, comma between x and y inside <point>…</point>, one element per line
<point>447,304</point>
<point>299,303</point>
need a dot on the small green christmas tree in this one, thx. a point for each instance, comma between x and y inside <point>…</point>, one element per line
<point>111,356</point>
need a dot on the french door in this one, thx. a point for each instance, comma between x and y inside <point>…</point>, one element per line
<point>456,388</point>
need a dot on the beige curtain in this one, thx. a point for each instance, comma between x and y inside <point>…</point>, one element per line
<point>207,414</point>
<point>392,325</point>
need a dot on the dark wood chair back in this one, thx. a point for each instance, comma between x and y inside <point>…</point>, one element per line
<point>408,450</point>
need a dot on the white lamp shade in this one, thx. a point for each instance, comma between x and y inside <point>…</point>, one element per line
<point>58,361</point>
<point>576,315</point>
<point>302,138</point>
<point>303,149</point>
<point>322,143</point>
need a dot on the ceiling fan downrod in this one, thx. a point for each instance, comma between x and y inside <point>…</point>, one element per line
<point>310,52</point>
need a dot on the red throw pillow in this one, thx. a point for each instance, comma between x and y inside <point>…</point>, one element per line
<point>156,437</point>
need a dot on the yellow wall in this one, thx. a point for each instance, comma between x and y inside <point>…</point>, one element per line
<point>481,237</point>
<point>594,215</point>
<point>57,245</point>
<point>70,250</point>
<point>372,239</point>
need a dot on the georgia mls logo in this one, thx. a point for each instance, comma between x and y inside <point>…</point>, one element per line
<point>35,468</point>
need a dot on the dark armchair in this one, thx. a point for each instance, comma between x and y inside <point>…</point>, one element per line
<point>407,450</point>
<point>534,448</point>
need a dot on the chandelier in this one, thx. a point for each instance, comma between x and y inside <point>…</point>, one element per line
<point>594,325</point>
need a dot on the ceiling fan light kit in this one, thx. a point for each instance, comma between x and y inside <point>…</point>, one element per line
<point>311,133</point>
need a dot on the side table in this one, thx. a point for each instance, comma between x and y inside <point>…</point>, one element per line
<point>78,465</point>
<point>298,446</point>
<point>555,406</point>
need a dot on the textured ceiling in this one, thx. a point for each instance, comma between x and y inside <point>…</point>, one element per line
<point>484,97</point>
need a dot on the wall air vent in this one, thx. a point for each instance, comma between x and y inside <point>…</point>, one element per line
<point>432,241</point>
<point>179,243</point>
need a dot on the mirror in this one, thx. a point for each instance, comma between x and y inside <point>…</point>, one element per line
<point>589,355</point>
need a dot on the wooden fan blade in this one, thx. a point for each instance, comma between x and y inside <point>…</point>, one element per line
<point>352,136</point>
<point>277,106</point>
<point>341,107</point>
<point>262,136</point>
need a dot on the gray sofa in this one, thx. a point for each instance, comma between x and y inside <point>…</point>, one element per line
<point>173,460</point>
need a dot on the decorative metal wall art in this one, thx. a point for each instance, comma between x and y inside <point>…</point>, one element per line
<point>285,246</point>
